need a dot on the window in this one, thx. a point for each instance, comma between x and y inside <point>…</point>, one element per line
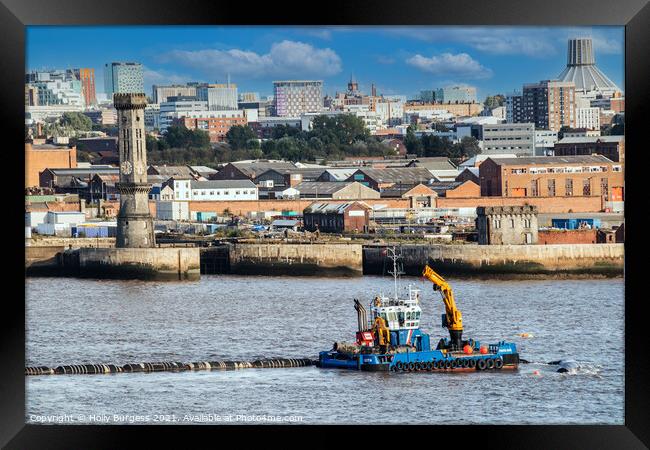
<point>604,188</point>
<point>512,223</point>
<point>497,223</point>
<point>533,188</point>
<point>551,187</point>
<point>586,187</point>
<point>568,186</point>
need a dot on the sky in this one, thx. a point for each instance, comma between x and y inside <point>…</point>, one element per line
<point>399,60</point>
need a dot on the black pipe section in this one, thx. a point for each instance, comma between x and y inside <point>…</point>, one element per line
<point>93,369</point>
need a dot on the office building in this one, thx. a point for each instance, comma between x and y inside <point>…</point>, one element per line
<point>456,94</point>
<point>509,138</point>
<point>123,78</point>
<point>87,79</point>
<point>588,118</point>
<point>170,109</point>
<point>162,93</point>
<point>295,97</point>
<point>219,97</point>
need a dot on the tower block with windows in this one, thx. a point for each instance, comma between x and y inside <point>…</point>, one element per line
<point>134,221</point>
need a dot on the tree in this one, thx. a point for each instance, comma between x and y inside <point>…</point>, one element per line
<point>412,143</point>
<point>238,136</point>
<point>77,121</point>
<point>469,147</point>
<point>563,129</point>
<point>494,101</point>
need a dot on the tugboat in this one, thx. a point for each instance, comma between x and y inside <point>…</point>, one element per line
<point>391,339</point>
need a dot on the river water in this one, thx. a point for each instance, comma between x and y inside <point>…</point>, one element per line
<point>71,321</point>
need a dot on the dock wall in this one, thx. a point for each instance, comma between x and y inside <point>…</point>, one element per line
<point>140,263</point>
<point>589,259</point>
<point>296,259</point>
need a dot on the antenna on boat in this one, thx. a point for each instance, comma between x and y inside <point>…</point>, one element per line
<point>396,271</point>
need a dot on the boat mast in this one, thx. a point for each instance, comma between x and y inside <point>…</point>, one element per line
<point>394,256</point>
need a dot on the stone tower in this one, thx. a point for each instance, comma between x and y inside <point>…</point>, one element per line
<point>134,222</point>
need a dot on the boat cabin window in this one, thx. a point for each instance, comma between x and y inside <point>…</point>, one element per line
<point>400,316</point>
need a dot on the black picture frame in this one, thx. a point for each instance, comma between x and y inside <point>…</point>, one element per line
<point>633,14</point>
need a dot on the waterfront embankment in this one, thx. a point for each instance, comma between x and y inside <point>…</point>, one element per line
<point>356,259</point>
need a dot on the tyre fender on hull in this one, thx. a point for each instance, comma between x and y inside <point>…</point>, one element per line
<point>481,364</point>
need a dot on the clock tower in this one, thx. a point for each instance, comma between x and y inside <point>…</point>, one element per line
<point>134,221</point>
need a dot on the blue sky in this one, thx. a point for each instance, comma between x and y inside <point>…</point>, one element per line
<point>399,60</point>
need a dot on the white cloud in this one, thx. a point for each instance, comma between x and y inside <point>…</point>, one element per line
<point>539,42</point>
<point>163,77</point>
<point>459,65</point>
<point>286,58</point>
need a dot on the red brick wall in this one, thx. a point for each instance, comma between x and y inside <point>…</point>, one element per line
<point>544,204</point>
<point>468,189</point>
<point>242,207</point>
<point>566,236</point>
<point>37,161</point>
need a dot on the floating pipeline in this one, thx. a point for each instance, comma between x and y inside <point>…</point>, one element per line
<point>94,369</point>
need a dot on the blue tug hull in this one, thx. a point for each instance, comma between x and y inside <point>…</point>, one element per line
<point>499,356</point>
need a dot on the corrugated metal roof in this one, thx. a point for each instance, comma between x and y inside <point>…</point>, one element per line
<point>404,175</point>
<point>590,139</point>
<point>321,187</point>
<point>327,208</point>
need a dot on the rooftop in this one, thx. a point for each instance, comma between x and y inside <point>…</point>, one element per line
<point>590,139</point>
<point>546,160</point>
<point>320,187</point>
<point>222,184</point>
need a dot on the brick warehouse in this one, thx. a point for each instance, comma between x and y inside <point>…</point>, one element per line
<point>553,176</point>
<point>337,218</point>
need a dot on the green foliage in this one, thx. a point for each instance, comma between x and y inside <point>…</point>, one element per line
<point>239,137</point>
<point>494,101</point>
<point>77,121</point>
<point>331,138</point>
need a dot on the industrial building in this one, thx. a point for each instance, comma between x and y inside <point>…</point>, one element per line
<point>551,176</point>
<point>337,217</point>
<point>611,147</point>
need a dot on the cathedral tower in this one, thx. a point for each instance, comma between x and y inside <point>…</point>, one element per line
<point>134,221</point>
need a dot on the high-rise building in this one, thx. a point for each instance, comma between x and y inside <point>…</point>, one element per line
<point>295,97</point>
<point>87,79</point>
<point>123,78</point>
<point>514,109</point>
<point>161,93</point>
<point>220,97</point>
<point>549,104</point>
<point>134,221</point>
<point>581,69</point>
<point>456,94</point>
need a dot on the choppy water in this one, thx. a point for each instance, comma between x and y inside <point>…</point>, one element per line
<point>231,317</point>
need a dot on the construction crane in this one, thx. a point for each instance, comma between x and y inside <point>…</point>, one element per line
<point>452,319</point>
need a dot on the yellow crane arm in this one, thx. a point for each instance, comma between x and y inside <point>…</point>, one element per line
<point>454,317</point>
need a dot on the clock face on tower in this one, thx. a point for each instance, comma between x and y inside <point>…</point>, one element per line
<point>126,167</point>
